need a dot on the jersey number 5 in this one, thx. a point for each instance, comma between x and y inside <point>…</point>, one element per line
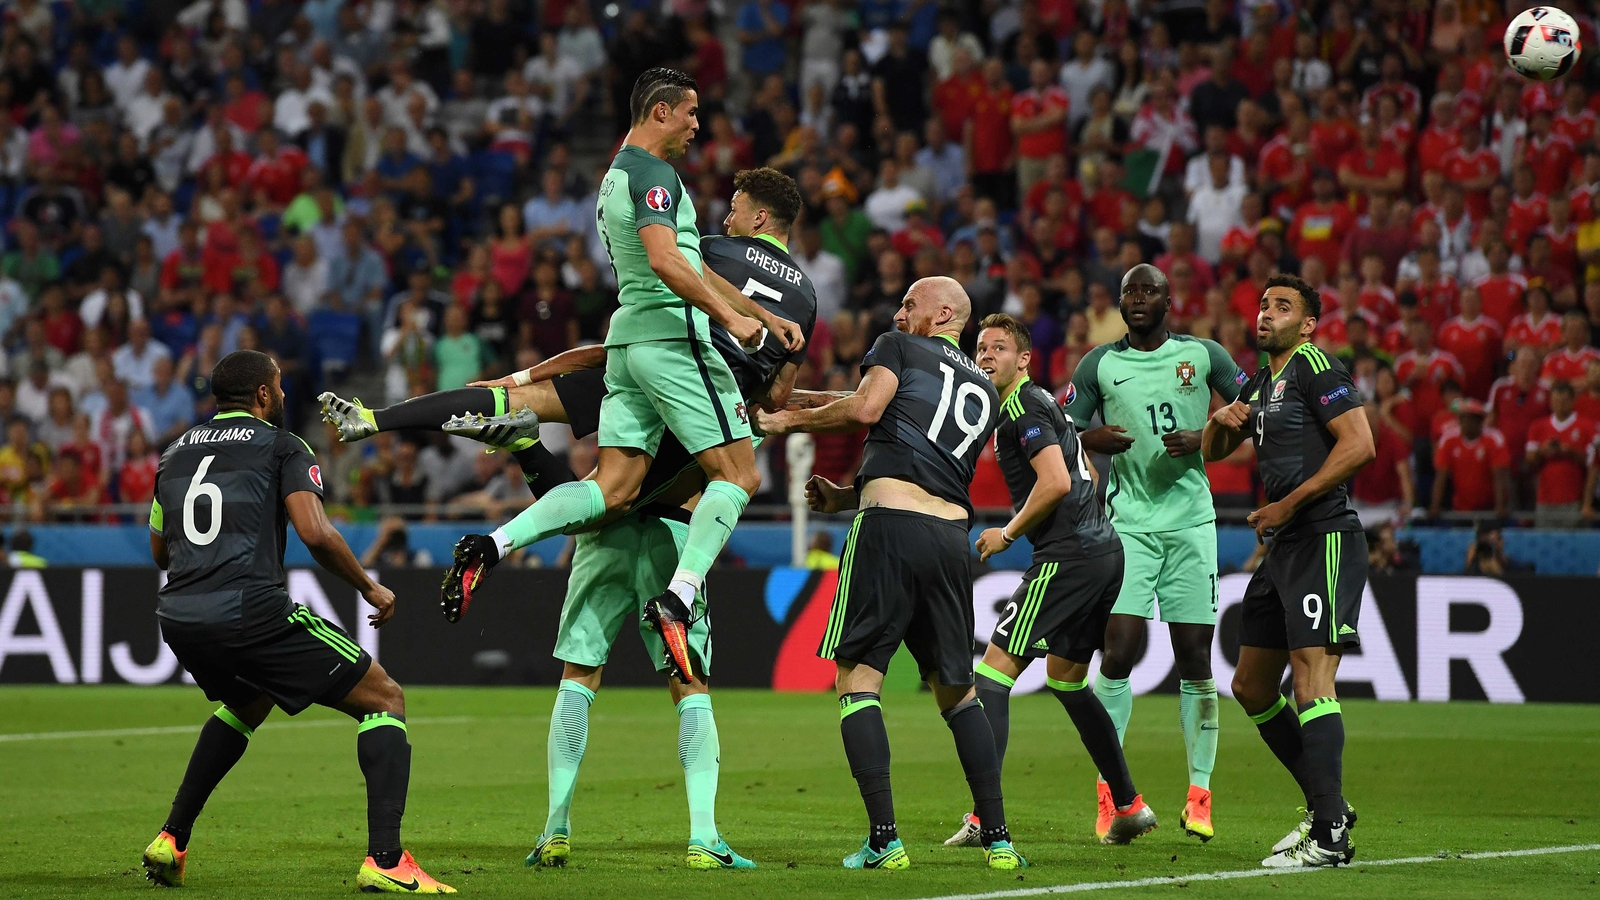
<point>199,487</point>
<point>972,430</point>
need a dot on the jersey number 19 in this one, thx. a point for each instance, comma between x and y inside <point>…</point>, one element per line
<point>971,430</point>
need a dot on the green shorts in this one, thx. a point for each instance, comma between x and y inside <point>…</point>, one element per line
<point>614,571</point>
<point>682,385</point>
<point>1178,569</point>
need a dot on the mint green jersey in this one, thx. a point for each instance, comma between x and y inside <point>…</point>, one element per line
<point>640,189</point>
<point>1151,394</point>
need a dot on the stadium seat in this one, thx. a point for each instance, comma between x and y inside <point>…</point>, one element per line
<point>336,341</point>
<point>496,174</point>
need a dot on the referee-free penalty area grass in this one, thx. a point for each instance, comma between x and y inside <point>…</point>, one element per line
<point>89,773</point>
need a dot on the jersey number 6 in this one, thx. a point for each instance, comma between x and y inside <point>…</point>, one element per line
<point>199,487</point>
<point>972,430</point>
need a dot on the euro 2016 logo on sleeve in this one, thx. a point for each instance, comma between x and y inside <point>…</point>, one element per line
<point>316,475</point>
<point>658,199</point>
<point>1186,373</point>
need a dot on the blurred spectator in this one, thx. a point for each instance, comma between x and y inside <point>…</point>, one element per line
<point>1384,490</point>
<point>135,361</point>
<point>111,425</point>
<point>391,547</point>
<point>136,479</point>
<point>819,553</point>
<point>68,490</point>
<point>14,456</point>
<point>1487,554</point>
<point>1472,465</point>
<point>21,555</point>
<point>170,404</point>
<point>1558,455</point>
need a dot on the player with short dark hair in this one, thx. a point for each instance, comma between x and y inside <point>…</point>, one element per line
<point>633,555</point>
<point>233,484</point>
<point>1301,608</point>
<point>1152,389</point>
<point>906,575</point>
<point>1059,611</point>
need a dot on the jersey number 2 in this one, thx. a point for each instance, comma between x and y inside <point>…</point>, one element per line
<point>972,430</point>
<point>199,487</point>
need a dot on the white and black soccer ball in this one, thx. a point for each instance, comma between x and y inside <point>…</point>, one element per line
<point>1542,43</point>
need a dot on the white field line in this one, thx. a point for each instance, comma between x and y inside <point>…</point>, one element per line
<point>1086,887</point>
<point>193,729</point>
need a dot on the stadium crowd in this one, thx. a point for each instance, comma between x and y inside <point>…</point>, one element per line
<point>391,193</point>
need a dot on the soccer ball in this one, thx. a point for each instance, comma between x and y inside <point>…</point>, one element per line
<point>1542,43</point>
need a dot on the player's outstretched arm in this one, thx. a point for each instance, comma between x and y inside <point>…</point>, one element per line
<point>1224,431</point>
<point>852,413</point>
<point>590,356</point>
<point>788,332</point>
<point>1053,483</point>
<point>328,548</point>
<point>667,261</point>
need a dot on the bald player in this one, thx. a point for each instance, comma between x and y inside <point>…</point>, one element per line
<point>905,575</point>
<point>1153,391</point>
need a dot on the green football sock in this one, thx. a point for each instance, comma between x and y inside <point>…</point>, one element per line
<point>1197,713</point>
<point>569,737</point>
<point>709,528</point>
<point>562,510</point>
<point>700,753</point>
<point>1117,698</point>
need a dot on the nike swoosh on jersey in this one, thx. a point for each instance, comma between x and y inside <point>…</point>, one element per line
<point>1129,378</point>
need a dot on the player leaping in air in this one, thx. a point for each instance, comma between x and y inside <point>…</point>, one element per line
<point>661,370</point>
<point>1153,391</point>
<point>905,575</point>
<point>1059,610</point>
<point>623,561</point>
<point>1304,414</point>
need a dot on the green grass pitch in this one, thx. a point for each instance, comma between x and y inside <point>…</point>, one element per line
<point>290,819</point>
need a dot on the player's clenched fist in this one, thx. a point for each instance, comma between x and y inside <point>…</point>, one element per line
<point>1233,416</point>
<point>823,495</point>
<point>746,331</point>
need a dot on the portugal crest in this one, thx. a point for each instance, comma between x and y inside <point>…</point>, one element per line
<point>1186,373</point>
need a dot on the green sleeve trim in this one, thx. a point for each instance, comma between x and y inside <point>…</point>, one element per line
<point>303,443</point>
<point>850,707</point>
<point>158,517</point>
<point>1065,686</point>
<point>993,674</point>
<point>1322,706</point>
<point>1261,718</point>
<point>234,721</point>
<point>378,720</point>
<point>1224,371</point>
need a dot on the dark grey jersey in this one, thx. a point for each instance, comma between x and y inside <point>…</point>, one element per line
<point>1030,421</point>
<point>219,505</point>
<point>1289,415</point>
<point>762,270</point>
<point>935,426</point>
